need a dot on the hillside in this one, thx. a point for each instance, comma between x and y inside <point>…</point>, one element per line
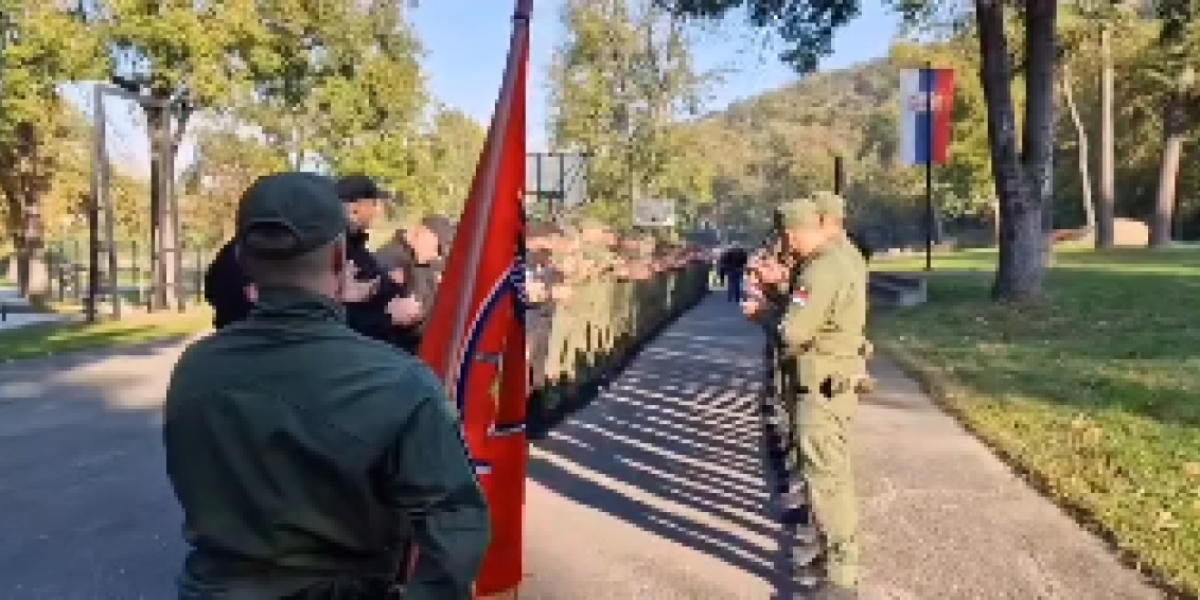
<point>782,143</point>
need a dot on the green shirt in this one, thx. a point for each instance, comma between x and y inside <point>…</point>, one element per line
<point>302,452</point>
<point>827,309</point>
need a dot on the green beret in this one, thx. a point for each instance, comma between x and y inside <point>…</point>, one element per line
<point>303,206</point>
<point>830,204</point>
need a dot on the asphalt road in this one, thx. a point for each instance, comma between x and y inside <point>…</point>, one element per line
<point>654,491</point>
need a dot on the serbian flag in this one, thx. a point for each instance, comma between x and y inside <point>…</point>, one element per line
<point>928,96</point>
<point>475,339</point>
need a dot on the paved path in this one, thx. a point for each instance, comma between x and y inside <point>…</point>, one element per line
<point>655,491</point>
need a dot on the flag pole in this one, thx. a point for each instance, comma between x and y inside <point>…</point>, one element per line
<point>929,149</point>
<point>492,166</point>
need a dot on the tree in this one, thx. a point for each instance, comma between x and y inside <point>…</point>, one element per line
<point>1021,171</point>
<point>227,161</point>
<point>177,57</point>
<point>450,151</point>
<point>1180,41</point>
<point>621,84</point>
<point>43,44</point>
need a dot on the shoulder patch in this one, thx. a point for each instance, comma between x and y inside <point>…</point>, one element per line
<point>800,296</point>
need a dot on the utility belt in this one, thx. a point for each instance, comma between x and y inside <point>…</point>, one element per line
<point>830,374</point>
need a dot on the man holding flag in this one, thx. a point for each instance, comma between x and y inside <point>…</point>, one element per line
<point>475,337</point>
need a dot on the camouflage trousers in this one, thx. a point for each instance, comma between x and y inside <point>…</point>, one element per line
<point>807,435</point>
<point>820,453</point>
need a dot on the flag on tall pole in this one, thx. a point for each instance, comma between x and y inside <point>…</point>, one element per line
<point>928,109</point>
<point>475,340</point>
<point>925,131</point>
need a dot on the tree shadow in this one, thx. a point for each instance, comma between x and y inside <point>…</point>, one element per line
<point>1107,337</point>
<point>674,446</point>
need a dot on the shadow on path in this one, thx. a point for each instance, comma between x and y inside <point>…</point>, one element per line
<point>673,446</point>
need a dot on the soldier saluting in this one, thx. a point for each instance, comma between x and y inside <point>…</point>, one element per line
<point>307,458</point>
<point>821,330</point>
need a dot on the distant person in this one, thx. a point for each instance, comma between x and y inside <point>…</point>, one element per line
<point>227,289</point>
<point>412,260</point>
<point>375,307</point>
<point>308,458</point>
<point>380,314</point>
<point>734,266</point>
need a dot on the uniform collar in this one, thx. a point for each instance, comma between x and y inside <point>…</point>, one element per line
<point>296,303</point>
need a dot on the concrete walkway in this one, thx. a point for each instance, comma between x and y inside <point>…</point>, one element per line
<point>654,491</point>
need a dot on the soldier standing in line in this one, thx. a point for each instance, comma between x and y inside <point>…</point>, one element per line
<point>306,457</point>
<point>821,331</point>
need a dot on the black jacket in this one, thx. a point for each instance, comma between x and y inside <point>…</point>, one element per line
<point>370,318</point>
<point>421,282</point>
<point>225,284</point>
<point>225,287</point>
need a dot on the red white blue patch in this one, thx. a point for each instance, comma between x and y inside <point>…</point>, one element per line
<point>800,296</point>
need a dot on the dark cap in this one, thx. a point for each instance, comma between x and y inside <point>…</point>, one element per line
<point>440,226</point>
<point>352,188</point>
<point>304,206</point>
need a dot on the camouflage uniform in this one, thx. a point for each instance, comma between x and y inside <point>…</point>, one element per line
<point>820,331</point>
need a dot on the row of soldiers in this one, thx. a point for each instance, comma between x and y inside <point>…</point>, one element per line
<point>808,290</point>
<point>314,456</point>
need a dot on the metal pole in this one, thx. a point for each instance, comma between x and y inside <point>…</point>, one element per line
<point>537,174</point>
<point>562,181</point>
<point>928,76</point>
<point>173,204</point>
<point>110,242</point>
<point>839,176</point>
<point>93,214</point>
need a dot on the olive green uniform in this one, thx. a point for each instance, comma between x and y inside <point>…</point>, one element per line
<point>308,458</point>
<point>821,335</point>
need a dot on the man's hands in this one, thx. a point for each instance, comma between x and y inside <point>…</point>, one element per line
<point>752,308</point>
<point>770,271</point>
<point>251,293</point>
<point>404,311</point>
<point>354,290</point>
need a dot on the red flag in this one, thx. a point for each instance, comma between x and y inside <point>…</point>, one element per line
<point>475,340</point>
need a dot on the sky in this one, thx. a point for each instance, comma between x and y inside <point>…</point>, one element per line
<point>465,45</point>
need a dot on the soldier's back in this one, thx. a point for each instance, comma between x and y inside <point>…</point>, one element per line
<point>275,429</point>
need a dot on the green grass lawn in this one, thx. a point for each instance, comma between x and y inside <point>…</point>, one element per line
<point>57,338</point>
<point>1094,393</point>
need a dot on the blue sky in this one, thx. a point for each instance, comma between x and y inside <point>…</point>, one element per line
<point>465,42</point>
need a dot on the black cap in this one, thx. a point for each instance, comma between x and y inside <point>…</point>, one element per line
<point>355,187</point>
<point>303,205</point>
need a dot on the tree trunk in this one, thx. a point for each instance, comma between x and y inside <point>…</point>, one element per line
<point>1041,50</point>
<point>1106,203</point>
<point>1019,184</point>
<point>1081,141</point>
<point>33,273</point>
<point>163,242</point>
<point>1174,131</point>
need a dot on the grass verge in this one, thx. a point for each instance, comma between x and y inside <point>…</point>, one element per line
<point>50,339</point>
<point>1094,394</point>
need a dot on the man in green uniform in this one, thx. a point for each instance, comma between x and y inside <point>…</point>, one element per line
<point>821,334</point>
<point>308,458</point>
